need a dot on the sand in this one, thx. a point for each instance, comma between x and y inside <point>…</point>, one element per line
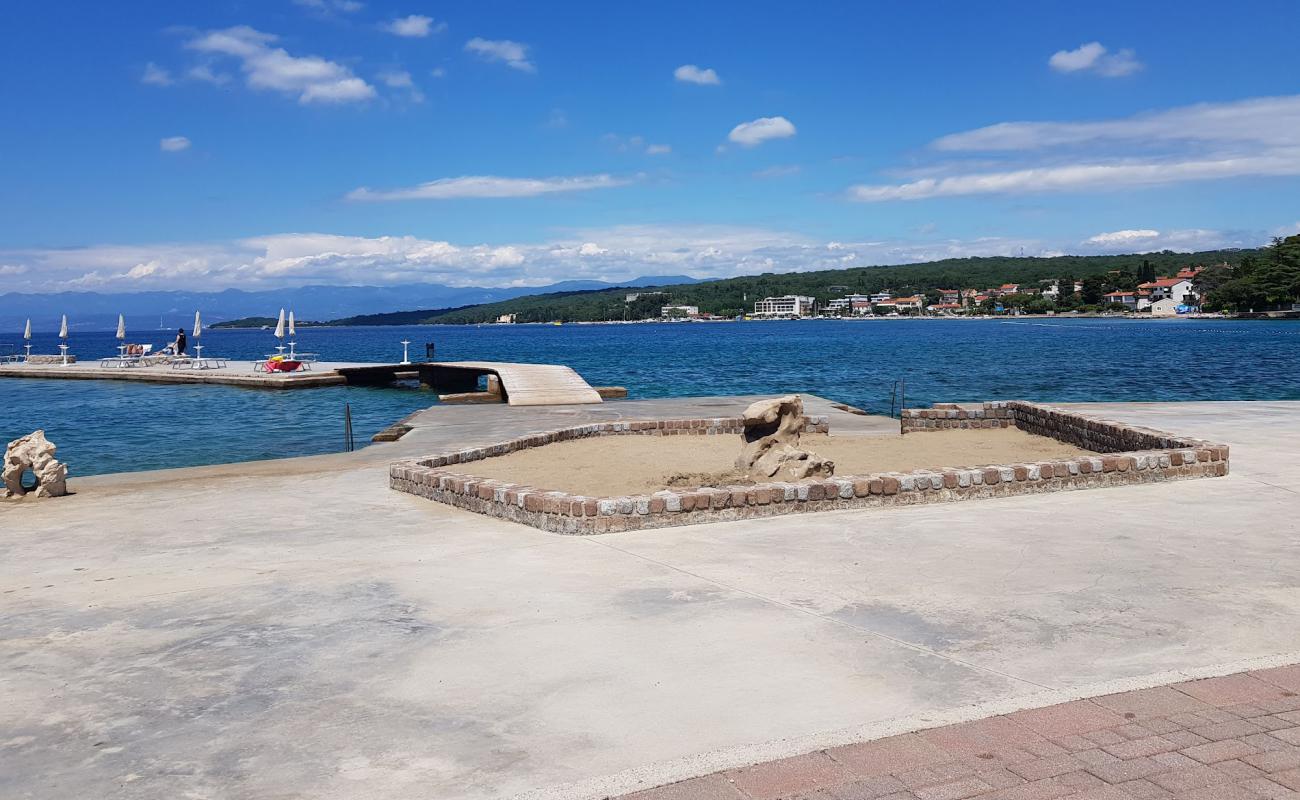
<point>622,465</point>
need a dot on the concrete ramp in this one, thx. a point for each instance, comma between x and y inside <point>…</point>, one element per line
<point>532,384</point>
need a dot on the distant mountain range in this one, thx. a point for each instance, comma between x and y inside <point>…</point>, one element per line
<point>151,310</point>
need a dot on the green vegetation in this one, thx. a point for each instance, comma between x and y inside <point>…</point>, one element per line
<point>1262,280</point>
<point>257,322</point>
<point>734,296</point>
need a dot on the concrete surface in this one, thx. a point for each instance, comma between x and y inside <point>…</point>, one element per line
<point>295,629</point>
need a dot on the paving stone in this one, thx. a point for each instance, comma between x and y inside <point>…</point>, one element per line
<point>787,776</point>
<point>1239,770</point>
<point>1160,725</point>
<point>1290,778</point>
<point>1078,717</point>
<point>939,773</point>
<point>709,787</point>
<point>1047,767</point>
<point>1129,770</point>
<point>1221,791</point>
<point>1096,757</point>
<point>1273,722</point>
<point>954,790</point>
<point>1214,752</point>
<point>977,736</point>
<point>1000,778</point>
<point>1174,760</point>
<point>868,788</point>
<point>1288,735</point>
<point>1184,779</point>
<point>1079,780</point>
<point>1102,793</point>
<point>1185,739</point>
<point>1133,730</point>
<point>1104,737</point>
<point>1135,748</point>
<point>1047,789</point>
<point>1266,741</point>
<point>1275,760</point>
<point>1230,690</point>
<point>885,756</point>
<point>1162,701</point>
<point>1074,743</point>
<point>1227,730</point>
<point>1266,788</point>
<point>1285,677</point>
<point>1144,790</point>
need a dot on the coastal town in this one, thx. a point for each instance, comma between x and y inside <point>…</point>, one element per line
<point>1165,296</point>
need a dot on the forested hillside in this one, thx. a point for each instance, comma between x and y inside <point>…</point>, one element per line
<point>732,296</point>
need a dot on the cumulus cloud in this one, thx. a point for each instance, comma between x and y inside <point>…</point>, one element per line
<point>311,78</point>
<point>658,149</point>
<point>205,74</point>
<point>755,132</point>
<point>611,253</point>
<point>635,144</point>
<point>1095,58</point>
<point>512,54</point>
<point>483,186</point>
<point>414,27</point>
<point>401,79</point>
<point>1258,137</point>
<point>327,6</point>
<point>174,144</point>
<point>689,73</point>
<point>155,75</point>
<point>1126,237</point>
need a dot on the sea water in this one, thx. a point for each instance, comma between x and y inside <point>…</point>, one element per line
<point>114,426</point>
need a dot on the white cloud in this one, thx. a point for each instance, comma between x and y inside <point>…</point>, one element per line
<point>205,74</point>
<point>311,78</point>
<point>438,72</point>
<point>512,54</point>
<point>611,253</point>
<point>415,26</point>
<point>1127,237</point>
<point>483,186</point>
<point>779,171</point>
<point>1258,137</point>
<point>635,144</point>
<point>13,269</point>
<point>326,6</point>
<point>174,144</point>
<point>1094,57</point>
<point>755,132</point>
<point>556,120</point>
<point>155,75</point>
<point>401,79</point>
<point>689,73</point>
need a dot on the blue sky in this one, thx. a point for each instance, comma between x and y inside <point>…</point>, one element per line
<point>285,142</point>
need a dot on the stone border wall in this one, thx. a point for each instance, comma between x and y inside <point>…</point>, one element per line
<point>1153,457</point>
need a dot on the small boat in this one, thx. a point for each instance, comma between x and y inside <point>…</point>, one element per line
<point>557,322</point>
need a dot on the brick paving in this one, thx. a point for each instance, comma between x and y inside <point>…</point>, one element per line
<point>1225,738</point>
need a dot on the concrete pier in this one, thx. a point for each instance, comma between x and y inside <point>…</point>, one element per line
<point>521,384</point>
<point>296,629</point>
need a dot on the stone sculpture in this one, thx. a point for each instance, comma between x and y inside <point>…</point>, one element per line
<point>36,453</point>
<point>772,429</point>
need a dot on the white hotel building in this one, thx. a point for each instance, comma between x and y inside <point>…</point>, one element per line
<point>790,305</point>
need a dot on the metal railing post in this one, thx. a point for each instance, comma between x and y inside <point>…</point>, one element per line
<point>349,444</point>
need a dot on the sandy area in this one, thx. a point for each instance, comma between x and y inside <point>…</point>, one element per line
<point>618,465</point>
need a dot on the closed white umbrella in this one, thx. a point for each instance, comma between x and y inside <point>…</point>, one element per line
<point>291,330</point>
<point>121,326</point>
<point>63,334</point>
<point>279,326</point>
<point>198,331</point>
<point>27,334</point>
<point>292,333</point>
<point>121,338</point>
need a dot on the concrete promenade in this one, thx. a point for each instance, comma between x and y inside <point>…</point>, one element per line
<point>296,629</point>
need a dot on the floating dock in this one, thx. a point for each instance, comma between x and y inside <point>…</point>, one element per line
<point>520,384</point>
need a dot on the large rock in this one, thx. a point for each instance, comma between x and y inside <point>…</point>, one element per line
<point>772,429</point>
<point>36,453</point>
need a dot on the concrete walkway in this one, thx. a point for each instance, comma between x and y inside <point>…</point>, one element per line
<point>296,629</point>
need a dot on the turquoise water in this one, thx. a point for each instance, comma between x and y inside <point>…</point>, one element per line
<point>107,426</point>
